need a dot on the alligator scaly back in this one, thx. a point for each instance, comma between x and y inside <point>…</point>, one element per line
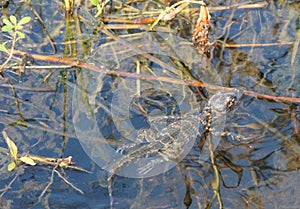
<point>171,140</point>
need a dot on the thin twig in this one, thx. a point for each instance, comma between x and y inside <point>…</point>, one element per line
<point>81,64</point>
<point>69,183</point>
<point>219,43</point>
<point>20,171</point>
<point>48,185</point>
<point>168,14</point>
<point>11,52</point>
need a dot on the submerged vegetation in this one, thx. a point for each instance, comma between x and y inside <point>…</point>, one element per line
<point>14,26</point>
<point>165,59</point>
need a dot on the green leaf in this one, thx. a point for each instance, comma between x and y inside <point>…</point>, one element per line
<point>27,160</point>
<point>11,166</point>
<point>7,28</point>
<point>19,27</point>
<point>7,22</point>
<point>13,149</point>
<point>3,48</point>
<point>95,2</point>
<point>20,34</point>
<point>24,20</point>
<point>13,19</point>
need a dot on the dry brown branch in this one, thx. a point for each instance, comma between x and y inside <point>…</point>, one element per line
<point>80,64</point>
<point>253,45</point>
<point>238,6</point>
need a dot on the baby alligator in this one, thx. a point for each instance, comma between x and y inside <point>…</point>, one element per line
<point>170,141</point>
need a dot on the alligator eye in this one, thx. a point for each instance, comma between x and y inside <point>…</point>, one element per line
<point>230,102</point>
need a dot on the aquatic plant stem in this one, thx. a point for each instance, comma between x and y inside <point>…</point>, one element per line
<point>11,52</point>
<point>216,181</point>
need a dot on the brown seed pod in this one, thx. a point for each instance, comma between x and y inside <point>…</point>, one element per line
<point>200,35</point>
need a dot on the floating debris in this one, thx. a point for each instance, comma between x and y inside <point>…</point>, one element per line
<point>200,35</point>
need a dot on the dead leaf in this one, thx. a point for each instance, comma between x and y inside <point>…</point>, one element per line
<point>13,149</point>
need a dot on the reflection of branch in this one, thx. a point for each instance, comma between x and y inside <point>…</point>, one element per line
<point>81,64</point>
<point>38,17</point>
